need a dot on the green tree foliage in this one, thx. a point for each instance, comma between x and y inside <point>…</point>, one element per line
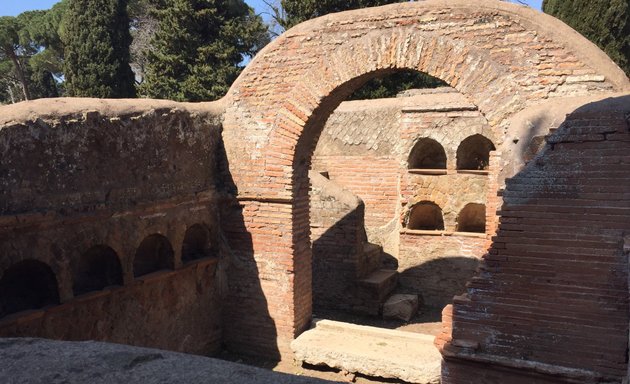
<point>13,51</point>
<point>604,22</point>
<point>390,86</point>
<point>199,47</point>
<point>40,32</point>
<point>297,11</point>
<point>96,41</point>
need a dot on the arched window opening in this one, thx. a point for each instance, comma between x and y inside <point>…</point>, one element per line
<point>196,243</point>
<point>427,154</point>
<point>98,267</point>
<point>154,254</point>
<point>474,153</point>
<point>29,284</point>
<point>426,216</point>
<point>472,218</point>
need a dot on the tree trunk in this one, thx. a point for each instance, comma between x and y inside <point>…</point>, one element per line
<point>20,73</point>
<point>11,93</point>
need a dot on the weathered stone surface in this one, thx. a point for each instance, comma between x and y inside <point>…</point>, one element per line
<point>400,306</point>
<point>39,361</point>
<point>411,357</point>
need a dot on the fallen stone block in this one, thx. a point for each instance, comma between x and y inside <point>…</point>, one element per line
<point>400,306</point>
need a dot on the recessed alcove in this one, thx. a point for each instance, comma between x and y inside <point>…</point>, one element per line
<point>473,154</point>
<point>196,243</point>
<point>29,284</point>
<point>427,157</point>
<point>97,268</point>
<point>472,218</point>
<point>155,253</point>
<point>426,216</point>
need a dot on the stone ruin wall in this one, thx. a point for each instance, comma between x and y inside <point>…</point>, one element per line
<point>543,290</point>
<point>110,176</point>
<point>505,59</point>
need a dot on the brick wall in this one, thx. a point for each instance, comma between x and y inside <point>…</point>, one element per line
<point>438,266</point>
<point>373,178</point>
<point>555,279</point>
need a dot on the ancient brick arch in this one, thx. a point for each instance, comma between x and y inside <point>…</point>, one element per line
<point>502,57</point>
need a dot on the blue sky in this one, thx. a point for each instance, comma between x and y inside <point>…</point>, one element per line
<point>15,7</point>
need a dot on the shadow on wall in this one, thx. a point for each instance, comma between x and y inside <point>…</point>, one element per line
<point>336,260</point>
<point>246,319</point>
<point>438,280</point>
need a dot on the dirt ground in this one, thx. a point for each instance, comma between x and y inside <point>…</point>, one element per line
<point>427,321</point>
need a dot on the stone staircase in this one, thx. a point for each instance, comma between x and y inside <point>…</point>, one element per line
<point>371,351</point>
<point>348,269</point>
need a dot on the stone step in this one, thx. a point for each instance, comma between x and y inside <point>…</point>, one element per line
<point>371,351</point>
<point>378,285</point>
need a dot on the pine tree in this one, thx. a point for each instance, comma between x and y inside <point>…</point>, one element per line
<point>604,22</point>
<point>199,47</point>
<point>297,11</point>
<point>96,41</point>
<point>11,51</point>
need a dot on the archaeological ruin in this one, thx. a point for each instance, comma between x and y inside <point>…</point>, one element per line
<point>503,199</point>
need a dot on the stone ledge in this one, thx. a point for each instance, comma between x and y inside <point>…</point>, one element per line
<point>435,172</point>
<point>569,375</point>
<point>473,172</point>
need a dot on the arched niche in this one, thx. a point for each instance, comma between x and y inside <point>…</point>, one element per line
<point>29,284</point>
<point>97,268</point>
<point>473,153</point>
<point>196,244</point>
<point>426,216</point>
<point>472,218</point>
<point>427,154</point>
<point>155,253</point>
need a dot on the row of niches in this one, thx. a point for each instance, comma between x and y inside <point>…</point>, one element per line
<point>473,154</point>
<point>32,284</point>
<point>427,216</point>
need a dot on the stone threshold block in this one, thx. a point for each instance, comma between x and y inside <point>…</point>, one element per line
<point>371,351</point>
